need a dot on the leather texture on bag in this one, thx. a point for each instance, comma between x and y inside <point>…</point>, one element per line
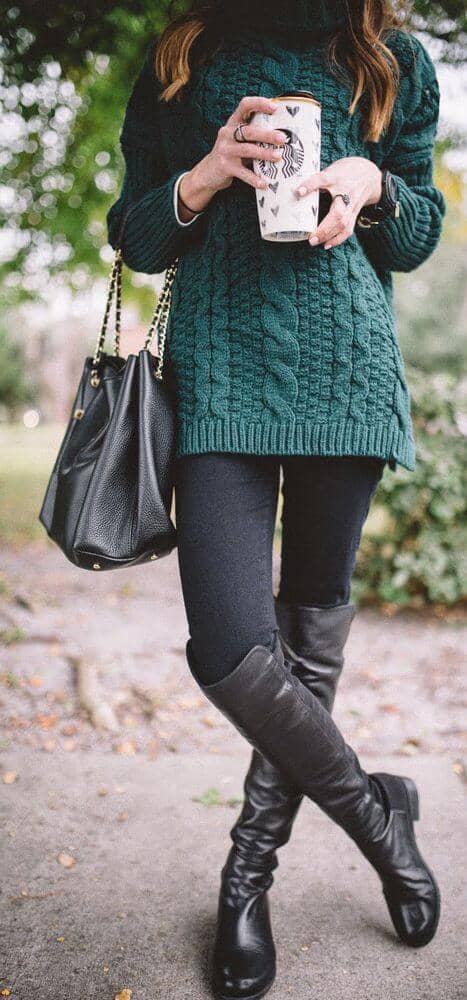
<point>109,496</point>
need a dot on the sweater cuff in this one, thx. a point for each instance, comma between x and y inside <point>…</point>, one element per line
<point>175,195</point>
<point>404,242</point>
<point>153,234</point>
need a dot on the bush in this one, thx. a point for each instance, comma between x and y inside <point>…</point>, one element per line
<point>415,552</point>
<point>14,390</point>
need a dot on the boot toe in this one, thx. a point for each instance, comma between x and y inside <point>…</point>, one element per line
<point>415,921</point>
<point>229,982</point>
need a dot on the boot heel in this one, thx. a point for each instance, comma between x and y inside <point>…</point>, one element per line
<point>412,798</point>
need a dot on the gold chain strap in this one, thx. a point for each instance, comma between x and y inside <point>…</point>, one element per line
<point>159,319</point>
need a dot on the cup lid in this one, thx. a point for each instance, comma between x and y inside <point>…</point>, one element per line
<point>304,95</point>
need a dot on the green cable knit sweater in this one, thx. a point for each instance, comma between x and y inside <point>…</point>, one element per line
<point>281,348</point>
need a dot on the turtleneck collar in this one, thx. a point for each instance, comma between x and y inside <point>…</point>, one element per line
<point>318,18</point>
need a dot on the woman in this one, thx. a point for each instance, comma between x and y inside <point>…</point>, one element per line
<point>285,359</point>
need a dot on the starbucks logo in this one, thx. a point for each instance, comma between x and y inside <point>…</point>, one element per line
<point>293,156</point>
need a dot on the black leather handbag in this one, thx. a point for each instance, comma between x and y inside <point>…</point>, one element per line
<point>108,500</point>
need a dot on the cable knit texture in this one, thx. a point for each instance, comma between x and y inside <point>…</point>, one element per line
<point>281,348</point>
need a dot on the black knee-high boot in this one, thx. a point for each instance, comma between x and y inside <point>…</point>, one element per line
<point>289,726</point>
<point>244,952</point>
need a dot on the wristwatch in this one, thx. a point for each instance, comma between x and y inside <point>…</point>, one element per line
<point>388,205</point>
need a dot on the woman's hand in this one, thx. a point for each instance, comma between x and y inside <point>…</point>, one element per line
<point>228,157</point>
<point>355,176</point>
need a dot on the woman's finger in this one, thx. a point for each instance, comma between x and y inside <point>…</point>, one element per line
<point>252,151</point>
<point>316,182</point>
<point>249,177</point>
<point>248,105</point>
<point>336,221</point>
<point>257,133</point>
<point>338,238</point>
<point>330,239</point>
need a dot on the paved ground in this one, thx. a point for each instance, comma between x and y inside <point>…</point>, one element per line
<point>137,909</point>
<point>141,816</point>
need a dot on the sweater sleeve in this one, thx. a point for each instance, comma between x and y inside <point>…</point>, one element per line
<point>404,243</point>
<point>153,234</point>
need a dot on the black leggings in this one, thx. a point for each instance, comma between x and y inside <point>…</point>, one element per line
<point>226,508</point>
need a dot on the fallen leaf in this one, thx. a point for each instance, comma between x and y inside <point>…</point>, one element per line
<point>66,860</point>
<point>410,747</point>
<point>122,817</point>
<point>209,722</point>
<point>190,702</point>
<point>6,992</point>
<point>60,940</point>
<point>9,777</point>
<point>35,681</point>
<point>126,749</point>
<point>60,697</point>
<point>70,729</point>
<point>102,792</point>
<point>390,709</point>
<point>46,721</point>
<point>17,722</point>
<point>124,995</point>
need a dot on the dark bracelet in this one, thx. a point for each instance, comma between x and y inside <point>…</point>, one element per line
<point>194,212</point>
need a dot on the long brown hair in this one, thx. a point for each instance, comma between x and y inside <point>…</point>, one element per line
<point>358,48</point>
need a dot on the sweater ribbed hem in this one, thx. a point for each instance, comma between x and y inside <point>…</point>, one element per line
<point>346,437</point>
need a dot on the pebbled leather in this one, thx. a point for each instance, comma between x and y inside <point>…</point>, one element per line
<point>109,495</point>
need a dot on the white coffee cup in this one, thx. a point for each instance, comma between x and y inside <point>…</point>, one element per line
<point>283,216</point>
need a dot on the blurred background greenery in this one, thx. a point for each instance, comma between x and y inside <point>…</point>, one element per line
<point>66,76</point>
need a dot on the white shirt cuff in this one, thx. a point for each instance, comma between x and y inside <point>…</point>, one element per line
<point>177,182</point>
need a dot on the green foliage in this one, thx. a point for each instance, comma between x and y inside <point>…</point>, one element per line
<point>416,553</point>
<point>14,389</point>
<point>212,797</point>
<point>64,166</point>
<point>446,20</point>
<point>431,307</point>
<point>27,457</point>
<point>65,31</point>
<point>10,637</point>
<point>68,72</point>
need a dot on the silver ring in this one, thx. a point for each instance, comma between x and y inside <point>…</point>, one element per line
<point>345,197</point>
<point>238,128</point>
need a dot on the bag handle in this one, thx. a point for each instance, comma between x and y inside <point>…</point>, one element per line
<point>159,320</point>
